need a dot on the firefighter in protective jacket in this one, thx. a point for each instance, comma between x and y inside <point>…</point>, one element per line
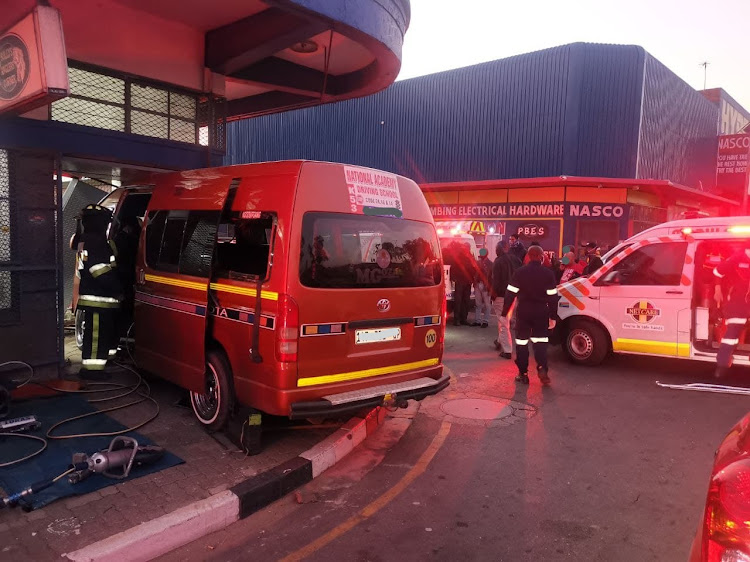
<point>535,288</point>
<point>100,291</point>
<point>734,275</point>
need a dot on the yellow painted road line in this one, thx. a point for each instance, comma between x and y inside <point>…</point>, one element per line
<point>268,295</point>
<point>354,375</point>
<point>416,471</point>
<point>176,282</point>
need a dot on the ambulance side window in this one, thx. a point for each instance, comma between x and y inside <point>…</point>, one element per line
<point>655,264</point>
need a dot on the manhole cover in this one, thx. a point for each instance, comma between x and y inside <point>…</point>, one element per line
<point>477,408</point>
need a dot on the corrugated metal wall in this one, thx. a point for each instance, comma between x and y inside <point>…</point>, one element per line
<point>495,120</point>
<point>678,130</point>
<point>609,86</point>
<point>570,110</point>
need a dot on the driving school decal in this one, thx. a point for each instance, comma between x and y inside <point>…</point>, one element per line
<point>372,192</point>
<point>644,313</point>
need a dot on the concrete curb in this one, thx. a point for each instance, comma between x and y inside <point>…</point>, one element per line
<point>168,532</point>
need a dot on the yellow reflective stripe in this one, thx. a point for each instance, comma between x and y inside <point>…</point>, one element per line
<point>738,321</point>
<point>95,334</point>
<point>512,289</point>
<point>354,375</point>
<point>653,347</point>
<point>99,269</point>
<point>522,342</point>
<point>730,341</point>
<point>539,340</point>
<point>176,282</point>
<point>113,247</point>
<point>551,292</point>
<point>268,295</point>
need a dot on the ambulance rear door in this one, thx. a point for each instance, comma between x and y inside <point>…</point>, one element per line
<point>173,273</point>
<point>644,295</point>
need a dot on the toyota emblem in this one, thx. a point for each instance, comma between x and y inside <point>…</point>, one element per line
<point>384,305</point>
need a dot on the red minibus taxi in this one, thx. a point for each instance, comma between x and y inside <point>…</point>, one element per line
<point>301,289</point>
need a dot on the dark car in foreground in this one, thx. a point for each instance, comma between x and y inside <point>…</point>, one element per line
<point>724,533</point>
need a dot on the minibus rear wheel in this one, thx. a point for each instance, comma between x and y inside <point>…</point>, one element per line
<point>213,406</point>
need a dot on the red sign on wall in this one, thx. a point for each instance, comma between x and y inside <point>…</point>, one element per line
<point>33,64</point>
<point>731,165</point>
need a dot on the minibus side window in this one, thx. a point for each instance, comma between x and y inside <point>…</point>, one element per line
<point>171,242</point>
<point>181,241</point>
<point>244,246</point>
<point>154,234</point>
<point>198,243</point>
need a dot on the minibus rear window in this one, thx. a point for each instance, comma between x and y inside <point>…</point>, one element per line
<point>358,252</point>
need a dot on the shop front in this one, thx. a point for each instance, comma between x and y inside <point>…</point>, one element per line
<point>556,212</point>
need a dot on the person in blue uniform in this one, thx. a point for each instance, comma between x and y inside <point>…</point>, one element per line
<point>734,279</point>
<point>100,292</point>
<point>535,288</point>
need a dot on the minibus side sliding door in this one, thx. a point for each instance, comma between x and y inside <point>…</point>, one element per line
<point>174,270</point>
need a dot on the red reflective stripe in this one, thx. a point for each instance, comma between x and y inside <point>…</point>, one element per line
<point>574,300</point>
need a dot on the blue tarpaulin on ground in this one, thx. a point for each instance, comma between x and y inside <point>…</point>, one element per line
<point>58,455</point>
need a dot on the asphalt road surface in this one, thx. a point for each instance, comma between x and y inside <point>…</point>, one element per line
<point>602,465</point>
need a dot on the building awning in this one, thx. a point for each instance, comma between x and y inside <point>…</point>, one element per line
<point>263,56</point>
<point>657,187</point>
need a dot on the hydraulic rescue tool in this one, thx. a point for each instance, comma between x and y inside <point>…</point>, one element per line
<point>122,455</point>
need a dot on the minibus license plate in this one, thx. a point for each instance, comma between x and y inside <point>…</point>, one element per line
<point>378,335</point>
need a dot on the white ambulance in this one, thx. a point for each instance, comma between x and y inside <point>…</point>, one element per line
<point>654,295</point>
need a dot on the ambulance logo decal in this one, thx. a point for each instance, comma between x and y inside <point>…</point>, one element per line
<point>644,312</point>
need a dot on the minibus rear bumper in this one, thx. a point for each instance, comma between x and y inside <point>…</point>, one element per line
<point>347,402</point>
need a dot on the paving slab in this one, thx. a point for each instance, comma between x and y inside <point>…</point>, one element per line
<point>211,465</point>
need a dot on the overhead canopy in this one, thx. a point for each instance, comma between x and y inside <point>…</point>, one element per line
<point>262,55</point>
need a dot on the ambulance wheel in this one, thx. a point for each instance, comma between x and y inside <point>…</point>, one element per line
<point>214,405</point>
<point>79,326</point>
<point>586,343</point>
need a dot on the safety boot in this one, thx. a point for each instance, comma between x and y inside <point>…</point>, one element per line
<point>522,378</point>
<point>543,373</point>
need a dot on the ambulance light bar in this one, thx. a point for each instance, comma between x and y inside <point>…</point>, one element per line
<point>737,229</point>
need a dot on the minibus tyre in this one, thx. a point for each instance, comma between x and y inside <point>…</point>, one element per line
<point>586,343</point>
<point>79,325</point>
<point>214,407</point>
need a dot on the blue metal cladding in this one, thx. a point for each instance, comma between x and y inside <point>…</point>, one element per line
<point>499,119</point>
<point>571,110</point>
<point>608,79</point>
<point>678,130</point>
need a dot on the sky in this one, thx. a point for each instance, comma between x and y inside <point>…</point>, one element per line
<point>680,33</point>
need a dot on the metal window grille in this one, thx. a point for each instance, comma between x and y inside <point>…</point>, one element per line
<point>8,279</point>
<point>133,105</point>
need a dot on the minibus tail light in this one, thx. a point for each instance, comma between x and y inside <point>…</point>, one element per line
<point>287,330</point>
